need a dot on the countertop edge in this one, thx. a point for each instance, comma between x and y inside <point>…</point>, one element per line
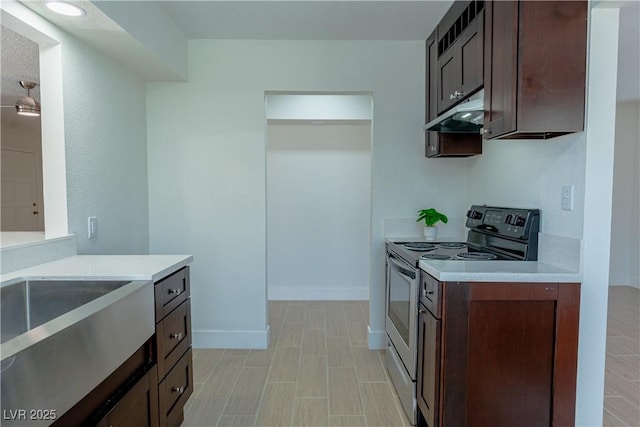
<point>507,271</point>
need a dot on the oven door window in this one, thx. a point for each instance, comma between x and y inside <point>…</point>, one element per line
<point>400,286</point>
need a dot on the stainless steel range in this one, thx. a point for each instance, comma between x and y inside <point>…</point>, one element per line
<point>495,233</point>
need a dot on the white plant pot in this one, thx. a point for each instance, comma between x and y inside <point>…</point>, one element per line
<point>431,233</point>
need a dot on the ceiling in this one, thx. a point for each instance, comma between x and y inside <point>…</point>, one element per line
<point>287,20</point>
<point>18,61</point>
<point>306,20</point>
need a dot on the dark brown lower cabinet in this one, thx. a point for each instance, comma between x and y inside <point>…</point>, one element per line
<point>138,407</point>
<point>506,355</point>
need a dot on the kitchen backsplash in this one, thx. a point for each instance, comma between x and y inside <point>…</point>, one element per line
<point>559,251</point>
<point>409,228</point>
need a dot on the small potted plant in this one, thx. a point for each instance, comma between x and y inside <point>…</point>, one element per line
<point>430,218</point>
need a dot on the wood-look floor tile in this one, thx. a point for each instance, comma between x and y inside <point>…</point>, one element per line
<point>617,385</point>
<point>296,312</point>
<point>203,362</point>
<point>353,312</point>
<point>314,342</point>
<point>357,334</point>
<point>626,411</point>
<point>314,319</point>
<point>278,308</point>
<point>317,305</point>
<point>311,412</point>
<point>246,395</point>
<point>622,346</point>
<point>334,307</point>
<point>339,352</point>
<point>203,412</point>
<point>379,407</point>
<point>286,362</point>
<point>232,352</point>
<point>312,379</point>
<point>347,421</point>
<point>261,358</point>
<point>344,395</point>
<point>368,366</point>
<point>291,334</point>
<point>610,420</point>
<point>223,378</point>
<point>336,325</point>
<point>237,421</point>
<point>626,366</point>
<point>277,405</point>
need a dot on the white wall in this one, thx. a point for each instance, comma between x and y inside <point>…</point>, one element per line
<point>207,165</point>
<point>625,217</point>
<point>318,211</point>
<point>103,143</point>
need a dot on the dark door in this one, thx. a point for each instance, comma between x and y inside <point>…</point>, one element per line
<point>500,67</point>
<point>428,366</point>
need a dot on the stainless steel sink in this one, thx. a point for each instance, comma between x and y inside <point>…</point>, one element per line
<point>61,338</point>
<point>29,304</point>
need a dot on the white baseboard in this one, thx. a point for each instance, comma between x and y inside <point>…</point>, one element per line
<point>318,294</point>
<point>231,339</point>
<point>377,339</point>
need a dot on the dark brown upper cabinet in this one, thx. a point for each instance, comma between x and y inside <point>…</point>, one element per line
<point>460,53</point>
<point>534,68</point>
<point>447,144</point>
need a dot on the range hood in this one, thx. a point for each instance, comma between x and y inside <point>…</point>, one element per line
<point>466,117</point>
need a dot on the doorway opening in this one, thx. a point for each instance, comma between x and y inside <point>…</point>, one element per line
<point>318,196</point>
<point>22,195</point>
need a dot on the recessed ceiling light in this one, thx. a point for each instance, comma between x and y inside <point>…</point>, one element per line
<point>64,8</point>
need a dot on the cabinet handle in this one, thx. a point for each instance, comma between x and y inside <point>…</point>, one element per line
<point>422,311</point>
<point>177,336</point>
<point>178,390</point>
<point>487,131</point>
<point>175,291</point>
<point>456,95</point>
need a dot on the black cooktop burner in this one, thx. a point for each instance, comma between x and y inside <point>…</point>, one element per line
<point>452,245</point>
<point>420,246</point>
<point>476,256</point>
<point>435,256</point>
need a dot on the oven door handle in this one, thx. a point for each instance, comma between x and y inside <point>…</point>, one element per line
<point>402,269</point>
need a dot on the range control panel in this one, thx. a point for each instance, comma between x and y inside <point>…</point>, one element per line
<point>510,222</point>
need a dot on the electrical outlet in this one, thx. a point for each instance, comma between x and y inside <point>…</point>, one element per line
<point>567,197</point>
<point>92,223</point>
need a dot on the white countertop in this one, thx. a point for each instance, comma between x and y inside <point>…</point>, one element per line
<point>103,267</point>
<point>497,271</point>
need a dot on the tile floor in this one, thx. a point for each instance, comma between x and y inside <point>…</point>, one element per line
<point>622,371</point>
<point>317,371</point>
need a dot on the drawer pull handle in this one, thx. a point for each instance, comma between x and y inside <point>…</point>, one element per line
<point>175,291</point>
<point>422,311</point>
<point>178,390</point>
<point>177,336</point>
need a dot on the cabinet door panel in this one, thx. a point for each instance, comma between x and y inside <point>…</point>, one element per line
<point>500,67</point>
<point>448,77</point>
<point>471,49</point>
<point>510,363</point>
<point>428,367</point>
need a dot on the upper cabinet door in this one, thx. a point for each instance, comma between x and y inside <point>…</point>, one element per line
<point>500,67</point>
<point>460,50</point>
<point>535,68</point>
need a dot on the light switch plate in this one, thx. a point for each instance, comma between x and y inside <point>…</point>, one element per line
<point>567,197</point>
<point>92,225</point>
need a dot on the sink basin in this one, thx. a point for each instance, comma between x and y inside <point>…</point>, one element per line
<point>61,338</point>
<point>29,304</point>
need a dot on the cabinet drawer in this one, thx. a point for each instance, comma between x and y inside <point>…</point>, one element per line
<point>175,390</point>
<point>430,290</point>
<point>170,292</point>
<point>173,335</point>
